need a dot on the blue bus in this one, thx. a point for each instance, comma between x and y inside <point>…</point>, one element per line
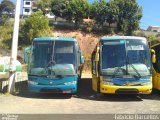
<point>54,65</point>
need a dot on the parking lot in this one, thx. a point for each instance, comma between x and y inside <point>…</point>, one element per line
<point>84,102</point>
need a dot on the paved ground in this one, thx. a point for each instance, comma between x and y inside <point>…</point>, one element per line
<point>83,102</point>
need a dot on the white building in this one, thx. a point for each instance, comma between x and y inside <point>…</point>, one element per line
<point>154,28</point>
<point>28,7</point>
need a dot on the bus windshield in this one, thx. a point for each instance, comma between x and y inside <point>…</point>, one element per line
<point>125,57</point>
<point>47,54</point>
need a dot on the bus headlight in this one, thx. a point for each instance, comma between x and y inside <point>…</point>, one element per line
<point>71,82</point>
<point>110,83</point>
<point>104,82</point>
<point>32,82</point>
<point>107,82</point>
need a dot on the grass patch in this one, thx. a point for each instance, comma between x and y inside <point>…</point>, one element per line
<point>6,36</point>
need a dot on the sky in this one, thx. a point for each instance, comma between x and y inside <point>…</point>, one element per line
<point>151,12</point>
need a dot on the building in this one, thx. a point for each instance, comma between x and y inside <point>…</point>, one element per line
<point>154,28</point>
<point>28,7</point>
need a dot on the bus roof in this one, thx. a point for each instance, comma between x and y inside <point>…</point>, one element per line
<point>54,38</point>
<point>121,37</point>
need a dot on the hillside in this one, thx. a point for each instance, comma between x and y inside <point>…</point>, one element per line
<point>87,41</point>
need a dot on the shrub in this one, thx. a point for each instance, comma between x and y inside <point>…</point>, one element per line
<point>34,26</point>
<point>6,35</point>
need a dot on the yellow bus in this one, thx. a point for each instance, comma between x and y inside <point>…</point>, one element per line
<point>155,45</point>
<point>122,65</point>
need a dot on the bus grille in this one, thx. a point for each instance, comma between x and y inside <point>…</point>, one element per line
<point>127,91</point>
<point>54,90</point>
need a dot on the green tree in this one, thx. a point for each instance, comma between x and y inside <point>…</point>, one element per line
<point>43,5</point>
<point>158,35</point>
<point>80,8</point>
<point>99,11</point>
<point>34,26</point>
<point>61,8</point>
<point>6,35</point>
<point>129,15</point>
<point>6,10</point>
<point>103,11</point>
<point>7,7</point>
<point>112,12</point>
<point>139,33</point>
<point>71,10</point>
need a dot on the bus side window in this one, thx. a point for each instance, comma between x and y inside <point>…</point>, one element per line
<point>93,63</point>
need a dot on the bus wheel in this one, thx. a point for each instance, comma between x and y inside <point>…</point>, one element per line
<point>97,95</point>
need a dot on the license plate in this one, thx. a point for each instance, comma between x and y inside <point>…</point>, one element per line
<point>67,91</point>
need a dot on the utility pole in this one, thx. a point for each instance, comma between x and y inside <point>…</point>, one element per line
<point>11,83</point>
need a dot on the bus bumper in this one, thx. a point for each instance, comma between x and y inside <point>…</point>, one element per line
<point>126,89</point>
<point>52,89</point>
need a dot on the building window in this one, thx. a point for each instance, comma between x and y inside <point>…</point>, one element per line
<point>155,30</point>
<point>27,3</point>
<point>26,10</point>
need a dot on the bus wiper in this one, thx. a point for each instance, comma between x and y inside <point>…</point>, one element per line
<point>52,61</point>
<point>134,69</point>
<point>48,67</point>
<point>128,63</point>
<point>118,69</point>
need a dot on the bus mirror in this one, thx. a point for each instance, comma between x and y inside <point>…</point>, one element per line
<point>153,55</point>
<point>153,58</point>
<point>97,54</point>
<point>82,59</point>
<point>26,54</point>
